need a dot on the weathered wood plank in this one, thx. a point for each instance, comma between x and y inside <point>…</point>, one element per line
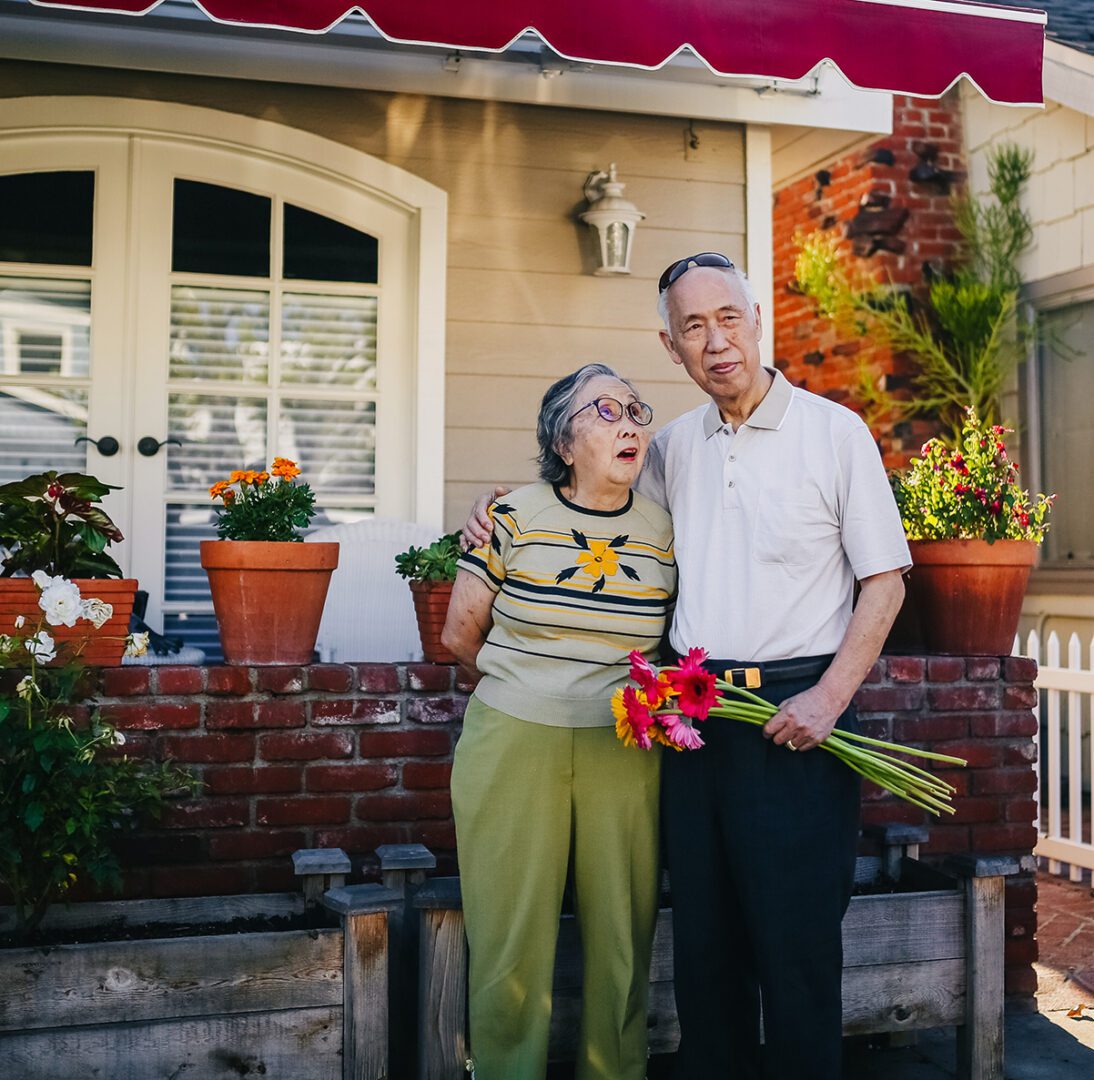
<point>281,1045</point>
<point>365,1031</point>
<point>120,915</point>
<point>902,928</point>
<point>170,977</point>
<point>442,995</point>
<point>980,1038</point>
<point>903,997</point>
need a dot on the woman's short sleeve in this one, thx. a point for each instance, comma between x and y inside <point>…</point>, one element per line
<point>489,561</point>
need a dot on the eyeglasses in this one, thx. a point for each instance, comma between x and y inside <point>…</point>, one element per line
<point>679,268</point>
<point>611,410</point>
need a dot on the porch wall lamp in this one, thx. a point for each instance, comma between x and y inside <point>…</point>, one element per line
<point>613,220</point>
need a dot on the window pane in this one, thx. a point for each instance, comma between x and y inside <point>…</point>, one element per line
<point>186,581</point>
<point>1067,388</point>
<point>220,230</point>
<point>38,431</point>
<point>47,217</point>
<point>219,334</point>
<point>329,340</point>
<point>319,248</point>
<point>45,327</point>
<point>334,442</point>
<point>218,435</point>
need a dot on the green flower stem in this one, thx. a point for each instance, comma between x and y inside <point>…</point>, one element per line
<point>929,754</point>
<point>902,778</point>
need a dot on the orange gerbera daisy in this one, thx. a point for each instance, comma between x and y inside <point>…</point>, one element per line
<point>599,560</point>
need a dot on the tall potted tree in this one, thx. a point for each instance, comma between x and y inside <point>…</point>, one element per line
<point>52,527</point>
<point>268,587</point>
<point>966,334</point>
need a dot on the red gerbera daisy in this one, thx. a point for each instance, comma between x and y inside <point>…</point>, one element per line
<point>696,686</point>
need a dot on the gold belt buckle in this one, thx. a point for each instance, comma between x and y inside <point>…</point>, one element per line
<point>751,674</point>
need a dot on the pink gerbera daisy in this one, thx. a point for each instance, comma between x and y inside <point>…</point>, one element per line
<point>681,734</point>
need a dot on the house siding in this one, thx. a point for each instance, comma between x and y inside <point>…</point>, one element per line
<point>1061,190</point>
<point>523,306</point>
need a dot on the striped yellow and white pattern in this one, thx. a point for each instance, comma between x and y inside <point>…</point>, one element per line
<point>576,591</point>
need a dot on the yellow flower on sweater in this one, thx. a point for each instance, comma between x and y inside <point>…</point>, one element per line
<point>599,560</point>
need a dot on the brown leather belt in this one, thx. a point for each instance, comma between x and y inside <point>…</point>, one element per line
<point>752,675</point>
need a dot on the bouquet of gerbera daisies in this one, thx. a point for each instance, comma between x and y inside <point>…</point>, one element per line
<point>668,704</point>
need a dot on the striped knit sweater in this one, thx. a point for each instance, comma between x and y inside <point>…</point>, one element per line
<point>576,591</point>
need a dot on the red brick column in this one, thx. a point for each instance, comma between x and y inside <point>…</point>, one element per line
<point>981,709</point>
<point>839,199</point>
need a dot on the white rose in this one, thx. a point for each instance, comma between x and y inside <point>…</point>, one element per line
<point>61,603</point>
<point>96,611</point>
<point>26,687</point>
<point>136,644</point>
<point>43,580</point>
<point>42,647</point>
<point>119,739</point>
<point>19,620</point>
<point>6,643</point>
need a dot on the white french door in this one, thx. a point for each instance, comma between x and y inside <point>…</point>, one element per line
<point>225,307</point>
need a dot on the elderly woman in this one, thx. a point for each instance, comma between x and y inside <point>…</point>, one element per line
<point>579,572</point>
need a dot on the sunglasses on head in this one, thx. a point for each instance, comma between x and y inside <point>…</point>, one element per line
<point>679,268</point>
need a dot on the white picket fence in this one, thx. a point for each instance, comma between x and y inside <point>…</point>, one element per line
<point>1066,696</point>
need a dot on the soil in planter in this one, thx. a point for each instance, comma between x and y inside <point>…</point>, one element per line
<point>317,918</point>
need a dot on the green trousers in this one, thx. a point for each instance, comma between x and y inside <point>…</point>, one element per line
<point>528,798</point>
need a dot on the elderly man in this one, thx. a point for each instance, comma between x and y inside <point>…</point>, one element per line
<point>780,504</point>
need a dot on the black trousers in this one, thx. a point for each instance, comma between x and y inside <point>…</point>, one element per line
<point>761,844</point>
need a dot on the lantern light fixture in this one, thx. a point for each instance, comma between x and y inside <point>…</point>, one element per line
<point>613,219</point>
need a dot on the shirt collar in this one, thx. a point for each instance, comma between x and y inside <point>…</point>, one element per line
<point>770,413</point>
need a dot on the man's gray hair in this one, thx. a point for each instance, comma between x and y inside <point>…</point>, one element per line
<point>554,428</point>
<point>729,271</point>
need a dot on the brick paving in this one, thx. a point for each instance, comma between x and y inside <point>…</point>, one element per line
<point>1065,937</point>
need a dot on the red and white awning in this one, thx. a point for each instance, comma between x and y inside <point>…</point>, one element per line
<point>918,47</point>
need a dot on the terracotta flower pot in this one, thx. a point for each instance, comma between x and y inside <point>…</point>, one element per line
<point>431,606</point>
<point>268,597</point>
<point>105,645</point>
<point>968,593</point>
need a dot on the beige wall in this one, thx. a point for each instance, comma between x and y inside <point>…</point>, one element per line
<point>1061,192</point>
<point>523,306</point>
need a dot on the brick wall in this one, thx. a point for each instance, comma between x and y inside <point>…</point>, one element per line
<point>913,224</point>
<point>354,756</point>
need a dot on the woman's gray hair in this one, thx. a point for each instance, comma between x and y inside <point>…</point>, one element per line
<point>729,271</point>
<point>554,429</point>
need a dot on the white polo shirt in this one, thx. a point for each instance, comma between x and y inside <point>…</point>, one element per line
<point>773,523</point>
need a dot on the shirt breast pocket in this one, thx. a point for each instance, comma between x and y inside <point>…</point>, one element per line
<point>793,528</point>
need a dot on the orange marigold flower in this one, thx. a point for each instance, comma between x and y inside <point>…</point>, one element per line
<point>218,489</point>
<point>262,477</point>
<point>237,476</point>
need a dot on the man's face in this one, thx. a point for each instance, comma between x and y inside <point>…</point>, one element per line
<point>715,333</point>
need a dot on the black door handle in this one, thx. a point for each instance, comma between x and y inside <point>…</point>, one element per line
<point>149,446</point>
<point>108,446</point>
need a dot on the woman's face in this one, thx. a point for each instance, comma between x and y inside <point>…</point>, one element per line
<point>602,452</point>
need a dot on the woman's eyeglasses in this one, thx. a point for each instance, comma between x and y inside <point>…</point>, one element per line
<point>679,268</point>
<point>611,410</point>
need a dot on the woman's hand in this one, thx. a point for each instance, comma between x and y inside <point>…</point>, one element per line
<point>470,616</point>
<point>478,528</point>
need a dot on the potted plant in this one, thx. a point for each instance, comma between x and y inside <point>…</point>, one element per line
<point>51,524</point>
<point>973,532</point>
<point>66,793</point>
<point>268,587</point>
<point>431,571</point>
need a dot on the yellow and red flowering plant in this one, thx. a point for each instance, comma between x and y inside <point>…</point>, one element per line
<point>668,705</point>
<point>969,493</point>
<point>264,505</point>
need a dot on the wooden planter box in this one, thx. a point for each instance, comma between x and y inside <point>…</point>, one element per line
<point>929,955</point>
<point>225,1003</point>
